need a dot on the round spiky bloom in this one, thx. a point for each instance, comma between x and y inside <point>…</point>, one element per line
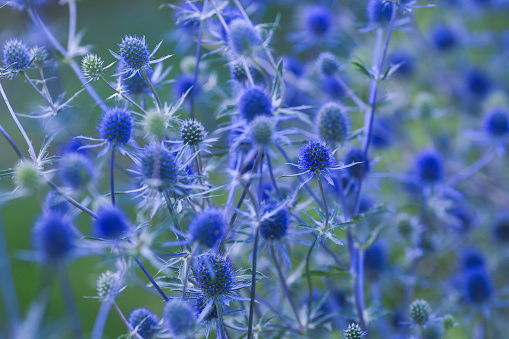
<point>201,302</point>
<point>75,170</point>
<point>318,21</point>
<point>496,122</point>
<point>179,318</point>
<point>449,322</point>
<point>261,130</point>
<point>478,286</point>
<point>110,223</point>
<point>54,202</point>
<point>275,227</point>
<point>53,237</point>
<point>155,124</point>
<point>208,227</point>
<point>328,64</point>
<point>28,176</point>
<point>144,321</point>
<point>315,156</point>
<point>354,331</point>
<point>429,166</point>
<point>92,67</point>
<point>38,55</point>
<point>477,83</point>
<point>108,285</point>
<point>420,311</point>
<point>116,125</point>
<point>16,55</point>
<point>443,37</point>
<point>192,132</point>
<point>333,124</point>
<point>242,37</point>
<point>238,72</point>
<point>254,102</point>
<point>183,83</point>
<point>214,275</point>
<point>357,155</point>
<point>134,53</point>
<point>158,166</point>
<point>378,11</point>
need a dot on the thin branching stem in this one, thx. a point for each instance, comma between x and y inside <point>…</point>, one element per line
<point>253,284</point>
<point>152,89</point>
<point>124,96</point>
<point>192,94</point>
<point>152,281</point>
<point>112,177</point>
<point>70,303</point>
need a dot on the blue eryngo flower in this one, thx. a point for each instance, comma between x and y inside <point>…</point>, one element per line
<point>243,38</point>
<point>478,287</point>
<point>75,170</point>
<point>496,123</point>
<point>429,166</point>
<point>179,318</point>
<point>420,311</point>
<point>28,177</point>
<point>316,158</point>
<point>201,303</point>
<point>158,167</point>
<point>354,331</point>
<point>378,11</point>
<point>238,72</point>
<point>144,322</point>
<point>262,130</point>
<point>192,132</point>
<point>477,83</point>
<point>183,84</point>
<point>135,56</point>
<point>318,21</point>
<point>501,229</point>
<point>208,227</point>
<point>356,155</point>
<point>214,276</point>
<point>328,64</point>
<point>16,56</point>
<point>443,37</point>
<point>254,102</point>
<point>109,285</point>
<point>333,124</point>
<point>53,237</point>
<point>92,67</point>
<point>110,223</point>
<point>274,227</point>
<point>472,259</point>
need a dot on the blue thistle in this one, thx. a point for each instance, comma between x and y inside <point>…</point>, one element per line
<point>183,83</point>
<point>478,286</point>
<point>318,21</point>
<point>472,259</point>
<point>116,126</point>
<point>145,322</point>
<point>192,132</point>
<point>359,170</point>
<point>179,318</point>
<point>208,227</point>
<point>242,37</point>
<point>134,52</point>
<point>110,223</point>
<point>75,169</point>
<point>201,302</point>
<point>496,122</point>
<point>214,276</point>
<point>315,157</point>
<point>16,55</point>
<point>53,237</point>
<point>477,83</point>
<point>333,124</point>
<point>501,230</point>
<point>378,11</point>
<point>254,102</point>
<point>443,37</point>
<point>158,166</point>
<point>429,166</point>
<point>328,64</point>
<point>354,331</point>
<point>276,226</point>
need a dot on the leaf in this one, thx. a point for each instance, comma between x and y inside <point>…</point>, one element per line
<point>334,271</point>
<point>362,68</point>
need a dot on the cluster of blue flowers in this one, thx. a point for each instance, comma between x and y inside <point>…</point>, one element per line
<point>332,170</point>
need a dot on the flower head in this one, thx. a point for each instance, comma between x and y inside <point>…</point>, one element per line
<point>333,124</point>
<point>276,226</point>
<point>315,157</point>
<point>28,176</point>
<point>92,67</point>
<point>496,122</point>
<point>16,55</point>
<point>420,311</point>
<point>443,37</point>
<point>110,223</point>
<point>75,170</point>
<point>158,166</point>
<point>53,237</point>
<point>254,102</point>
<point>354,331</point>
<point>109,285</point>
<point>179,318</point>
<point>215,276</point>
<point>328,64</point>
<point>318,20</point>
<point>144,321</point>
<point>429,166</point>
<point>55,203</point>
<point>192,132</point>
<point>262,130</point>
<point>378,11</point>
<point>478,286</point>
<point>208,227</point>
<point>243,37</point>
<point>357,155</point>
<point>115,126</point>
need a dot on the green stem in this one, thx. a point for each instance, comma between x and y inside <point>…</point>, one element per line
<point>253,284</point>
<point>156,96</point>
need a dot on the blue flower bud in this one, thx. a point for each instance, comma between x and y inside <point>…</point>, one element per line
<point>242,38</point>
<point>328,64</point>
<point>354,331</point>
<point>429,166</point>
<point>443,37</point>
<point>378,11</point>
<point>275,227</point>
<point>75,170</point>
<point>116,126</point>
<point>333,124</point>
<point>214,275</point>
<point>478,286</point>
<point>192,132</point>
<point>53,237</point>
<point>208,227</point>
<point>144,321</point>
<point>111,223</point>
<point>179,318</point>
<point>420,311</point>
<point>16,55</point>
<point>158,166</point>
<point>134,52</point>
<point>254,102</point>
<point>496,122</point>
<point>318,20</point>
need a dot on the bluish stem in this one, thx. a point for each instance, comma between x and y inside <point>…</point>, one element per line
<point>72,23</point>
<point>123,95</point>
<point>272,178</point>
<point>219,308</point>
<point>156,96</point>
<point>260,182</point>
<point>100,320</point>
<point>46,98</point>
<point>310,283</point>
<point>112,177</point>
<point>175,221</point>
<point>70,303</point>
<point>138,261</point>
<point>188,270</point>
<point>9,295</point>
<point>471,169</point>
<point>253,284</point>
<point>11,142</point>
<point>198,58</point>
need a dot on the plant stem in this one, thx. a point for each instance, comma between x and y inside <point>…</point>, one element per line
<point>284,286</point>
<point>187,271</point>
<point>70,304</point>
<point>156,96</point>
<point>11,142</point>
<point>72,24</point>
<point>198,58</point>
<point>310,283</point>
<point>46,98</point>
<point>175,221</point>
<point>253,283</point>
<point>100,320</point>
<point>272,178</point>
<point>326,209</point>
<point>138,261</point>
<point>260,182</point>
<point>219,308</point>
<point>471,169</point>
<point>123,95</point>
<point>112,178</point>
